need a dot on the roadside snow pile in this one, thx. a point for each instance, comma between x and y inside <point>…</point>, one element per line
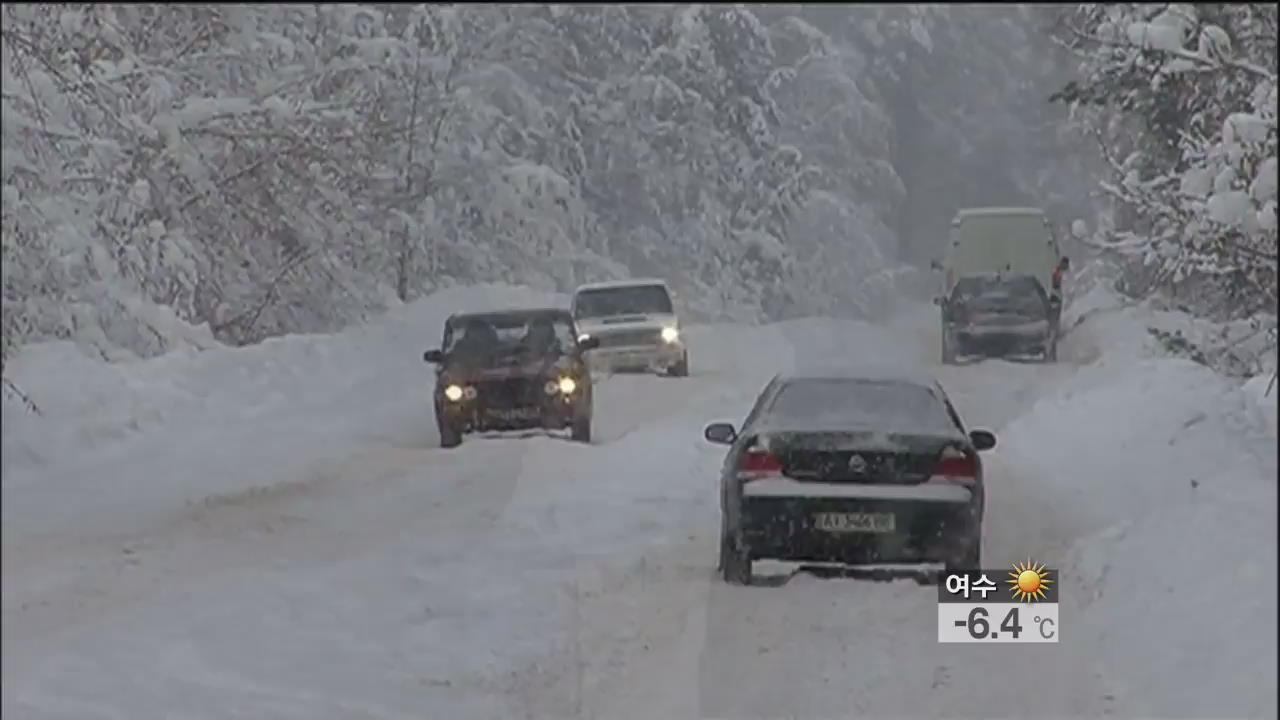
<point>1176,566</point>
<point>1149,329</point>
<point>86,404</point>
<point>1265,392</point>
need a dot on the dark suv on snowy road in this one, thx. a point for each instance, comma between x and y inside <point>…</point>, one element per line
<point>512,370</point>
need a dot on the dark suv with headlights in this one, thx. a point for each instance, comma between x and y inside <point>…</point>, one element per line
<point>511,370</point>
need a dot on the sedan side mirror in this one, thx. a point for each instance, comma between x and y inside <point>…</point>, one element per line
<point>433,356</point>
<point>982,439</point>
<point>720,433</point>
<point>937,300</point>
<point>935,265</point>
<point>588,343</point>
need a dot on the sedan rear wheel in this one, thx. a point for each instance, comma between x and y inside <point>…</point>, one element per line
<point>968,555</point>
<point>735,565</point>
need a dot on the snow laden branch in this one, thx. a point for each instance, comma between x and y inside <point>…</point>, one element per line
<point>1181,100</point>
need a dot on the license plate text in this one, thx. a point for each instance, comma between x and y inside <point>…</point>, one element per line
<point>855,522</point>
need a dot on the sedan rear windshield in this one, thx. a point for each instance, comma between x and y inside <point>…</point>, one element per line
<point>636,299</point>
<point>891,406</point>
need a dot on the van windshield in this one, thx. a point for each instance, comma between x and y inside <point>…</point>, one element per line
<point>633,299</point>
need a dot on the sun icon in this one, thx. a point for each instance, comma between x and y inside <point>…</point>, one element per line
<point>1028,581</point>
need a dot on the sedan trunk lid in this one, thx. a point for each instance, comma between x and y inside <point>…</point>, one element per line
<point>864,457</point>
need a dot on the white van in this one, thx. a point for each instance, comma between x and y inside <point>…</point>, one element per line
<point>636,324</point>
<point>1015,241</point>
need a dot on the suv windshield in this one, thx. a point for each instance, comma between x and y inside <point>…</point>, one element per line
<point>1020,294</point>
<point>636,299</point>
<point>509,337</point>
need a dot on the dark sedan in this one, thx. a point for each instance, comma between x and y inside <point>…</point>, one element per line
<point>851,467</point>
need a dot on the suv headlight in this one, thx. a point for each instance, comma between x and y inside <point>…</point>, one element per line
<point>453,393</point>
<point>670,334</point>
<point>565,385</point>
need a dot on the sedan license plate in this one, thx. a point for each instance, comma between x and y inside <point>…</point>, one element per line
<point>855,522</point>
<point>516,413</point>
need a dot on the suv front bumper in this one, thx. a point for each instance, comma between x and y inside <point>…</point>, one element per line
<point>651,358</point>
<point>529,408</point>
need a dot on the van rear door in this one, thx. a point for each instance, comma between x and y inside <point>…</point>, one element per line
<point>1016,243</point>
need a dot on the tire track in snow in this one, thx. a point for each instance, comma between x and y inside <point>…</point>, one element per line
<point>389,490</point>
<point>328,513</point>
<point>676,641</point>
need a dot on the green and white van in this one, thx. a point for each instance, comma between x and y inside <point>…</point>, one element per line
<point>995,260</point>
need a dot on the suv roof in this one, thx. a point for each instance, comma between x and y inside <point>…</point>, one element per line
<point>611,284</point>
<point>512,314</point>
<point>989,211</point>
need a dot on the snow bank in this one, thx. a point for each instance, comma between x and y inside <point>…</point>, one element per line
<point>1264,391</point>
<point>1163,474</point>
<point>92,400</point>
<point>92,412</point>
<point>1099,318</point>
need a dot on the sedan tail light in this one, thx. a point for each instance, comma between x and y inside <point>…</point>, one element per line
<point>756,464</point>
<point>955,467</point>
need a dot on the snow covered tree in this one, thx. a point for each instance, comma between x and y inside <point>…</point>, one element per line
<point>912,112</point>
<point>1181,100</point>
<point>176,174</point>
<point>183,168</point>
<point>682,162</point>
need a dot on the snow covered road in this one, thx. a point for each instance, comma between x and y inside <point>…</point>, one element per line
<point>270,533</point>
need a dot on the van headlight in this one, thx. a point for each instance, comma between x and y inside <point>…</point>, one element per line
<point>670,334</point>
<point>453,392</point>
<point>582,337</point>
<point>567,385</point>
